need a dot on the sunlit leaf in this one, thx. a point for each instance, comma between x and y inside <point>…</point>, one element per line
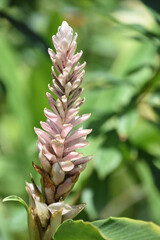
<point>107,160</point>
<point>128,229</point>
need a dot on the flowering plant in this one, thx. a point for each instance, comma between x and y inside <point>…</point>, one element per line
<point>58,141</point>
<point>61,164</point>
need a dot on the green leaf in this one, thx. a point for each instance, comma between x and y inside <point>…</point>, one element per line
<point>152,193</point>
<point>106,160</point>
<point>146,136</point>
<point>128,229</point>
<point>14,198</point>
<point>78,230</point>
<point>126,123</point>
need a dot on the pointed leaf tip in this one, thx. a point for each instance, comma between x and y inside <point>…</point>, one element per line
<point>14,198</point>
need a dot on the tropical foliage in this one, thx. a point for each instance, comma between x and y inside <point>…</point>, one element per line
<point>120,41</point>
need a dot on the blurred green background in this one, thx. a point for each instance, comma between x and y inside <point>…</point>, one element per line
<point>121,44</point>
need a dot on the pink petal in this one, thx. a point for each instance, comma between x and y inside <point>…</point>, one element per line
<point>75,145</point>
<point>57,173</point>
<point>64,101</point>
<point>58,147</point>
<point>64,45</point>
<point>73,47</point>
<point>43,136</point>
<point>65,187</point>
<point>66,166</point>
<point>71,114</point>
<point>72,156</point>
<point>60,107</point>
<point>62,79</point>
<point>52,117</point>
<point>54,40</point>
<point>78,68</point>
<point>57,85</point>
<point>50,156</point>
<point>68,88</point>
<point>77,134</point>
<point>76,84</point>
<point>69,37</point>
<point>75,95</point>
<point>44,162</point>
<point>54,126</point>
<point>78,120</point>
<point>83,160</point>
<point>47,128</point>
<point>77,76</point>
<point>55,91</point>
<point>77,169</point>
<point>76,57</point>
<point>39,146</point>
<point>78,102</point>
<point>66,130</point>
<point>52,103</point>
<point>51,53</point>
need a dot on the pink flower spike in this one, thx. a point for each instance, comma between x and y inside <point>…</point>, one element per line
<point>59,139</point>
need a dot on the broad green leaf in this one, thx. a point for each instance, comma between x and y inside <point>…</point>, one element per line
<point>105,102</point>
<point>106,160</point>
<point>14,198</point>
<point>146,136</point>
<point>128,229</point>
<point>78,230</point>
<point>126,123</point>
